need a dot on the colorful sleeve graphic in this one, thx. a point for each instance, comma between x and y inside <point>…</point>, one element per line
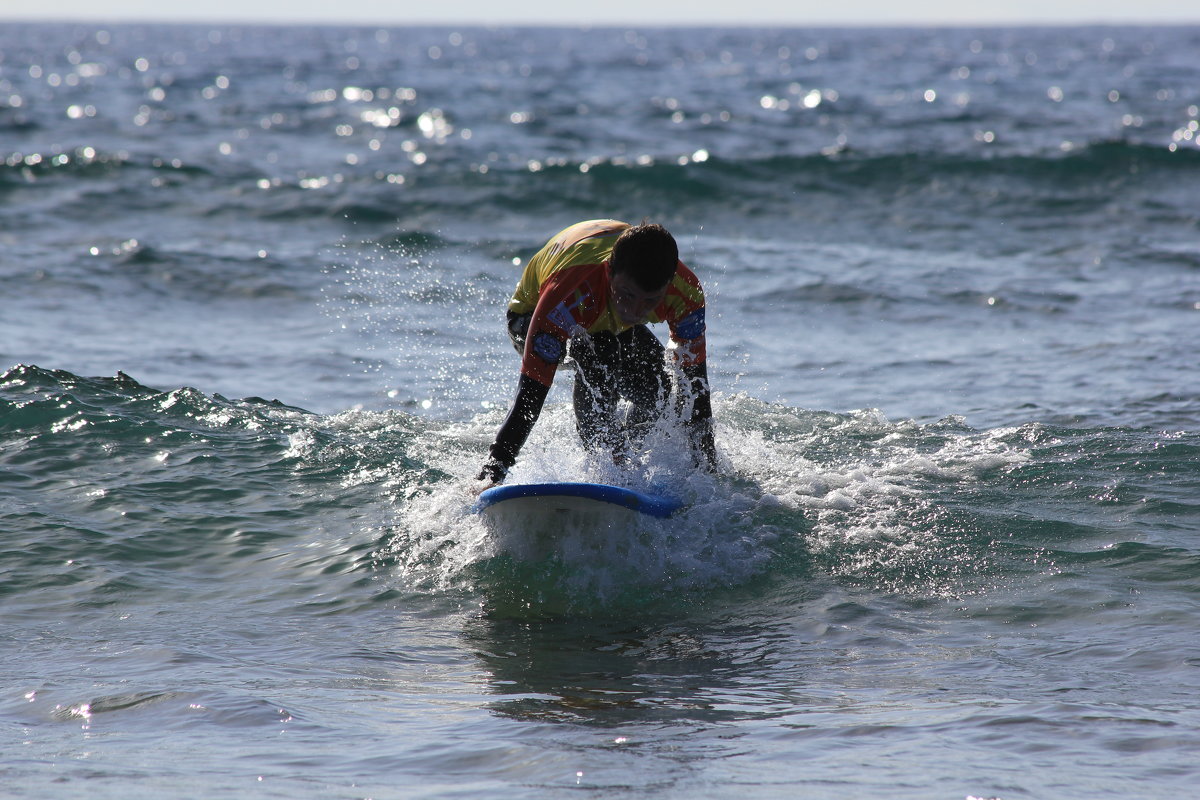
<point>683,311</point>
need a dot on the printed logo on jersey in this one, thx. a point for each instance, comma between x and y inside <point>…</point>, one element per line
<point>548,348</point>
<point>692,326</point>
<point>563,315</point>
<point>560,315</point>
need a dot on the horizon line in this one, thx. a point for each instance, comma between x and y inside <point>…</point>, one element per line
<point>267,22</point>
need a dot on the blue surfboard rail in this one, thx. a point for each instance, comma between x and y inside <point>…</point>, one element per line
<point>651,505</point>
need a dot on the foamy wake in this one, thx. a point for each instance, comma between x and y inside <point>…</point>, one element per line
<point>854,485</point>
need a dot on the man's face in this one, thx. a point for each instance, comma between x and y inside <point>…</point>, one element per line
<point>632,303</point>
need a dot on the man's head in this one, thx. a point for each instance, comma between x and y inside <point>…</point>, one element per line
<point>647,253</point>
<point>642,264</point>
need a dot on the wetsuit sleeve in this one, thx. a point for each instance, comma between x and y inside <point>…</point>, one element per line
<point>544,337</point>
<point>531,396</point>
<point>683,309</point>
<point>699,422</point>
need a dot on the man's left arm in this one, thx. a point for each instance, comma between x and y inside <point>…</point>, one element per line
<point>686,316</point>
<point>699,422</point>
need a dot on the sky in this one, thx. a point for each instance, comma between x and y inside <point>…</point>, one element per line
<point>616,12</point>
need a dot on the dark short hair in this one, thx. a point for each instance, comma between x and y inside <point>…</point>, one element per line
<point>647,253</point>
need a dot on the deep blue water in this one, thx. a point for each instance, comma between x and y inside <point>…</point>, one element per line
<point>252,353</point>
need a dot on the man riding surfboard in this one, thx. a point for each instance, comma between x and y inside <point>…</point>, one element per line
<point>588,294</point>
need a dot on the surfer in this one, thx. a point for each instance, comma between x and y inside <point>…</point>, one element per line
<point>586,298</point>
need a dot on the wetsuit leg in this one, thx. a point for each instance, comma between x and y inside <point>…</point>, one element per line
<point>642,380</point>
<point>597,364</point>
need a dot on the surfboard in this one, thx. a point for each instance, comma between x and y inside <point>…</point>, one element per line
<point>544,498</point>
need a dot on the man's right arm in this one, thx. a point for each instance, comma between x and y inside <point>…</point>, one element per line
<point>544,344</point>
<point>531,396</point>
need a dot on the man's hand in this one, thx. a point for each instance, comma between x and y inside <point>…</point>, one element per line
<point>479,487</point>
<point>492,474</point>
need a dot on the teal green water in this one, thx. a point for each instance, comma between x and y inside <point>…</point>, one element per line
<point>251,356</point>
<point>241,598</point>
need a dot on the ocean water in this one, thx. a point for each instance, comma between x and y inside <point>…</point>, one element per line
<point>252,355</point>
